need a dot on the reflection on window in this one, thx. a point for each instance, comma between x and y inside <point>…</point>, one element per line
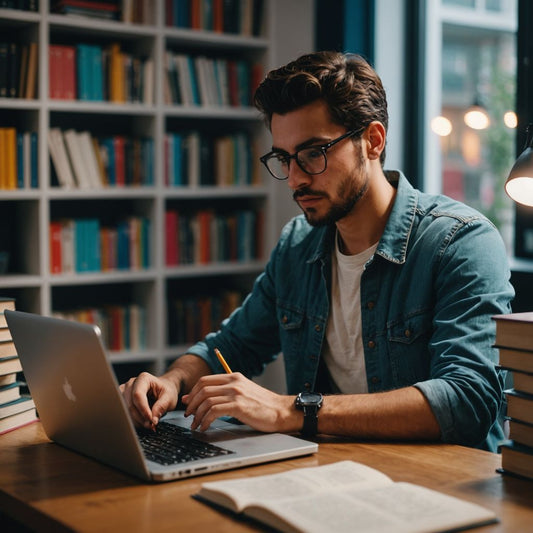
<point>476,123</point>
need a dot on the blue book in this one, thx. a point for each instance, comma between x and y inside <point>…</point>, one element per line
<point>208,15</point>
<point>243,77</point>
<point>194,82</point>
<point>123,245</point>
<point>34,176</point>
<point>84,71</point>
<point>20,160</point>
<point>146,227</point>
<point>150,164</point>
<point>181,13</point>
<point>177,178</point>
<point>79,245</point>
<point>93,245</point>
<point>109,147</point>
<point>97,78</point>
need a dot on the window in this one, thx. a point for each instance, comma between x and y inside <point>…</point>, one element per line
<point>470,119</point>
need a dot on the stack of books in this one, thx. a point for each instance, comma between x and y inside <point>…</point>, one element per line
<point>514,339</point>
<point>16,409</point>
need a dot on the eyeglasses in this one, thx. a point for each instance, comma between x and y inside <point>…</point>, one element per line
<point>311,159</point>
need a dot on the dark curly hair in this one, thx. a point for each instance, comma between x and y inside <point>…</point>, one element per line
<point>346,82</point>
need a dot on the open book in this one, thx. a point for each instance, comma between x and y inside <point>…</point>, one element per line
<point>342,497</point>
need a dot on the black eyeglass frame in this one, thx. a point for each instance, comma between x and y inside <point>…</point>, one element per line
<point>323,148</point>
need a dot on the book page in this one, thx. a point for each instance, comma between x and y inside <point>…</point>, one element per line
<point>302,482</point>
<point>394,508</point>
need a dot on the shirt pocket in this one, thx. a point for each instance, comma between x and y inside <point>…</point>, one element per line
<point>291,328</point>
<point>408,340</point>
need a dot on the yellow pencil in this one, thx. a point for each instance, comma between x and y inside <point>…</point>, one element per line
<point>222,361</point>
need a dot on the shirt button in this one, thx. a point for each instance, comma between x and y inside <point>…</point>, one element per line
<point>307,385</point>
<point>370,305</point>
<point>407,333</point>
<point>371,344</point>
<point>317,327</point>
<point>375,380</point>
<point>285,319</point>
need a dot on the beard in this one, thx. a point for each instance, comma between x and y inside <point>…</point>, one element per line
<point>348,193</point>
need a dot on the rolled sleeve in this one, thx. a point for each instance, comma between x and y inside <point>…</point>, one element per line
<point>466,389</point>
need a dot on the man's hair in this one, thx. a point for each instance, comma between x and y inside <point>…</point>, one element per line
<point>350,87</point>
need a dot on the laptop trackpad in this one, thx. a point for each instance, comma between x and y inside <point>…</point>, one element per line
<point>220,430</point>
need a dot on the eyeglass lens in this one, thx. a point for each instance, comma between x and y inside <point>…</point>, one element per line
<point>311,160</point>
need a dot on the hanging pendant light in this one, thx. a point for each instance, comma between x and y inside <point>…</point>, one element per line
<point>519,184</point>
<point>476,116</point>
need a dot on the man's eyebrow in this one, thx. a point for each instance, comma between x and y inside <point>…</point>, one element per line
<point>313,141</point>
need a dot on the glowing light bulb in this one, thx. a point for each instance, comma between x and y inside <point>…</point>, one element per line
<point>441,126</point>
<point>477,118</point>
<point>510,119</point>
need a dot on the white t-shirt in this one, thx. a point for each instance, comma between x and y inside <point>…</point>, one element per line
<point>343,350</point>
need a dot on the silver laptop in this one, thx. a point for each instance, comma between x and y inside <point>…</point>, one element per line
<point>81,407</point>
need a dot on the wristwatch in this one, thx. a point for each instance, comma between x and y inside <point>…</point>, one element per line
<point>309,403</point>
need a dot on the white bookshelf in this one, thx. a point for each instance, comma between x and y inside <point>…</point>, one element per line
<point>27,213</point>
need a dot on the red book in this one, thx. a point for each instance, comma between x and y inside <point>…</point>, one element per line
<point>55,247</point>
<point>68,69</point>
<point>256,79</point>
<point>205,218</point>
<point>233,83</point>
<point>206,312</point>
<point>120,160</point>
<point>54,65</point>
<point>195,6</point>
<point>171,238</point>
<point>231,223</point>
<point>101,6</point>
<point>169,13</point>
<point>218,16</point>
<point>116,319</point>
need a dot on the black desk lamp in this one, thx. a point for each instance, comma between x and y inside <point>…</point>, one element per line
<point>519,184</point>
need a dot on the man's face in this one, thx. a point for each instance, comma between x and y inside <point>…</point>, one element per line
<point>328,197</point>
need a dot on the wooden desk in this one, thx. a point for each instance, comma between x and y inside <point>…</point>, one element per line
<point>48,488</point>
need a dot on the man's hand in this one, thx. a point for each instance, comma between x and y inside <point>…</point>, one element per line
<point>148,398</point>
<point>234,395</point>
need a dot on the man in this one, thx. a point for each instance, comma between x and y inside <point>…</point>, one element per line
<point>379,295</point>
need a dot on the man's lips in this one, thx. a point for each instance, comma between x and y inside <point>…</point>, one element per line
<point>308,201</point>
<point>307,198</point>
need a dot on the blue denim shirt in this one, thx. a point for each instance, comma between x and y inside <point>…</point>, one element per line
<point>427,296</point>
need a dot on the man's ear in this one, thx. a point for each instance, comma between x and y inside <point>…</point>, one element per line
<point>375,136</point>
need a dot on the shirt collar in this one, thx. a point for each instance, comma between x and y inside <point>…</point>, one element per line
<point>393,243</point>
<point>395,239</point>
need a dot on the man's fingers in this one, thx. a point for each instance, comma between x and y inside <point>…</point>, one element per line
<point>136,392</point>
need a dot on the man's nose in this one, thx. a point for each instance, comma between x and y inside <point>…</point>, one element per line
<point>297,178</point>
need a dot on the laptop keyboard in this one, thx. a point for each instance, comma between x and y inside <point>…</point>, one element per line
<point>172,444</point>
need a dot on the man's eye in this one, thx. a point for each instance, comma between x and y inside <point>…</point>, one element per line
<point>280,158</point>
<point>312,153</point>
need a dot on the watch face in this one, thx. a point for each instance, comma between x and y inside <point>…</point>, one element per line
<point>310,398</point>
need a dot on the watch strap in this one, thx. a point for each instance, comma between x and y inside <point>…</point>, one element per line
<point>310,426</point>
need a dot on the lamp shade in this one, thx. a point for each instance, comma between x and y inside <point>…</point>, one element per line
<point>519,184</point>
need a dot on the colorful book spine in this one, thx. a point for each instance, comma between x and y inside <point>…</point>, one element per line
<point>84,245</point>
<point>123,327</point>
<point>208,236</point>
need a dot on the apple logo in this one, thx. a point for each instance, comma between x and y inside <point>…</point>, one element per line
<point>67,388</point>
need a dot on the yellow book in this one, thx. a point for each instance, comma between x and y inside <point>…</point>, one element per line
<point>11,158</point>
<point>3,159</point>
<point>31,76</point>
<point>116,74</point>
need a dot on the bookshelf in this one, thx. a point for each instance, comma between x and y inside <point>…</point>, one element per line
<point>238,209</point>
